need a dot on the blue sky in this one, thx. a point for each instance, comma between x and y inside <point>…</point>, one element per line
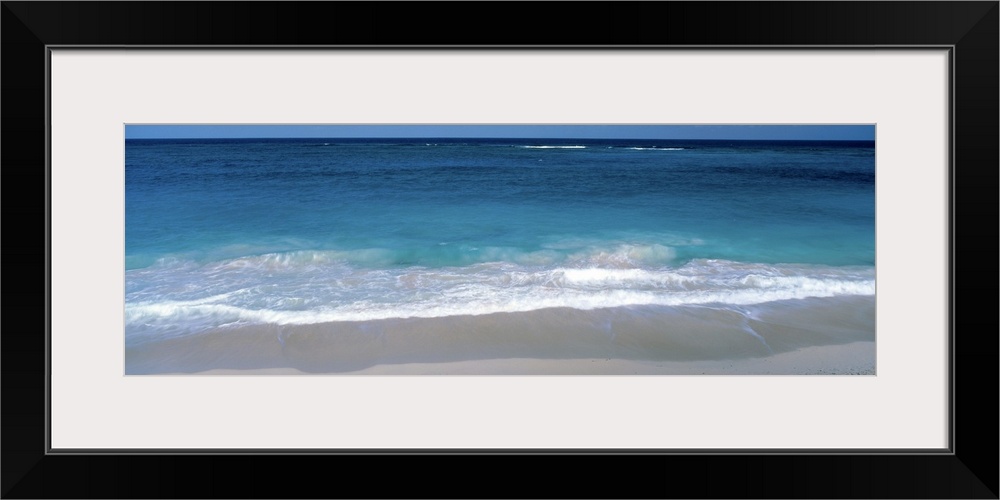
<point>730,132</point>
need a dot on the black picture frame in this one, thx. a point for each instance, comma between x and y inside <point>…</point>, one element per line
<point>968,470</point>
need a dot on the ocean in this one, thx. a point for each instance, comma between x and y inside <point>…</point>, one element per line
<point>230,234</point>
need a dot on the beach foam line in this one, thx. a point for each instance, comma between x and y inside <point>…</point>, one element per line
<point>472,299</point>
<point>300,290</point>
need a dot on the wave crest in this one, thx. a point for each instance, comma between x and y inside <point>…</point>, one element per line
<point>246,293</point>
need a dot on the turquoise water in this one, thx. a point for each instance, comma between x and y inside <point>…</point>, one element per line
<point>230,232</point>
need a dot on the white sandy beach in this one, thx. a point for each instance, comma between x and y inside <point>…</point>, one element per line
<point>813,336</point>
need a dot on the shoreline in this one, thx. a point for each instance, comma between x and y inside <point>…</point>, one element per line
<point>817,335</point>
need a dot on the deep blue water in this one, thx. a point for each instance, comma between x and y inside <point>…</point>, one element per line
<point>296,231</point>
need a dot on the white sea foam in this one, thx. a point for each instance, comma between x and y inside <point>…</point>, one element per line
<point>343,293</point>
<point>476,300</point>
<point>656,149</point>
<point>554,147</point>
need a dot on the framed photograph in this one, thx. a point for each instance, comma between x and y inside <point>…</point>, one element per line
<point>736,247</point>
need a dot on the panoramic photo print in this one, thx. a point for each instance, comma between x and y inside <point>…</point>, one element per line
<point>499,250</point>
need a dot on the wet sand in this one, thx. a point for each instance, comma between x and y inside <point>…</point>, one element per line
<point>857,358</point>
<point>811,336</point>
